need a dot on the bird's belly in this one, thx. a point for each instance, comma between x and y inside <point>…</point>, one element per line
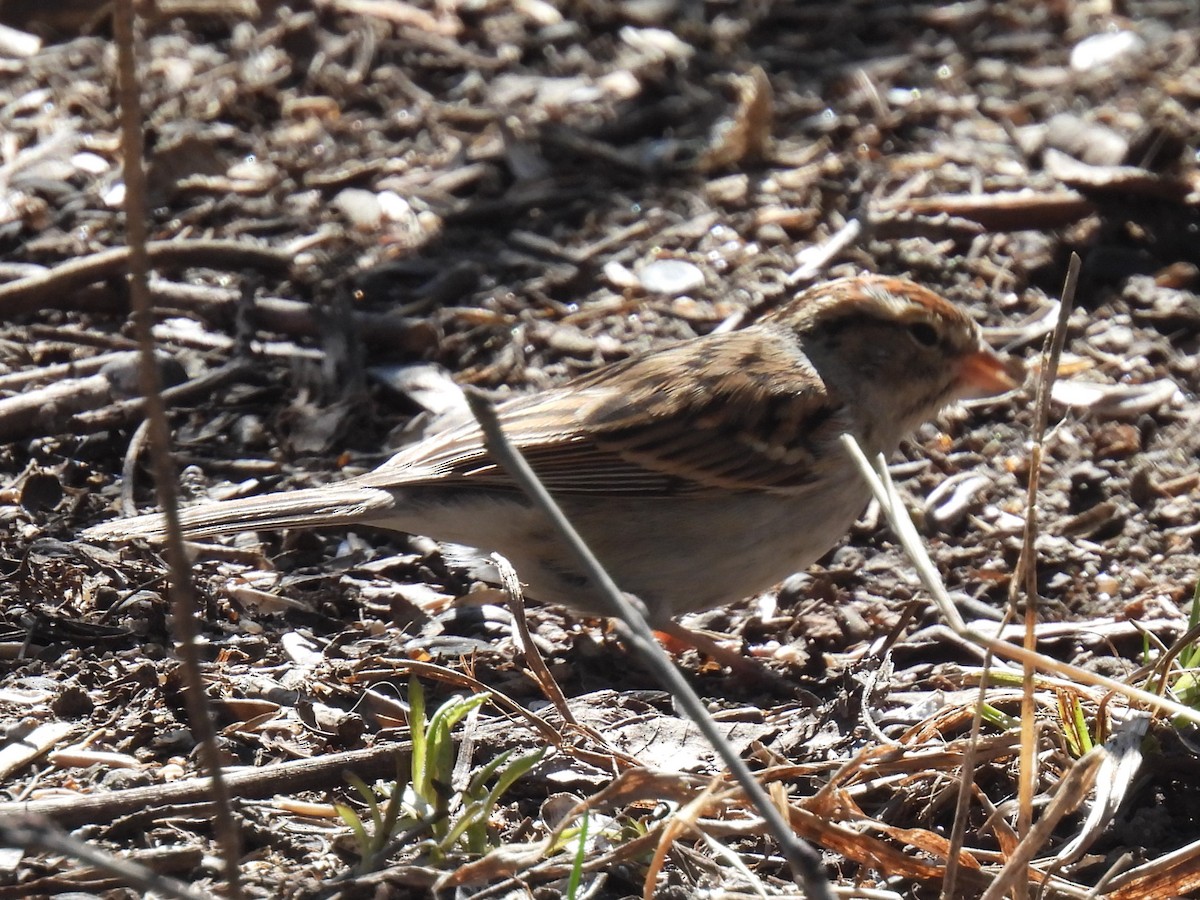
<point>677,555</point>
<point>704,555</point>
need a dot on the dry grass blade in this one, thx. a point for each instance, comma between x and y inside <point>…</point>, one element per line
<point>1113,785</point>
<point>1172,875</point>
<point>906,532</point>
<point>629,787</point>
<point>966,784</point>
<point>533,656</point>
<point>684,820</point>
<point>1071,793</point>
<point>892,505</point>
<point>873,853</point>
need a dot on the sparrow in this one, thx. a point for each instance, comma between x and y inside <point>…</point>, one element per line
<point>698,473</point>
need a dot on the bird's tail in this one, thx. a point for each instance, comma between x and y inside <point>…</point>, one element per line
<point>315,507</point>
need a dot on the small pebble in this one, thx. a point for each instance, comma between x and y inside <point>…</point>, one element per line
<point>571,341</point>
<point>1102,50</point>
<point>360,207</point>
<point>619,275</point>
<point>90,163</point>
<point>671,277</point>
<point>1091,142</point>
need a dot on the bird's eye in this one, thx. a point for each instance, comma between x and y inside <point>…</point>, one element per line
<point>923,333</point>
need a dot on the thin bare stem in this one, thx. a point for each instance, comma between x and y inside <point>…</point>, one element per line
<point>1026,573</point>
<point>533,656</point>
<point>183,599</point>
<point>1071,792</point>
<point>962,803</point>
<point>636,633</point>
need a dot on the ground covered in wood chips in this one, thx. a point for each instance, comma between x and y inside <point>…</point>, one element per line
<point>346,193</point>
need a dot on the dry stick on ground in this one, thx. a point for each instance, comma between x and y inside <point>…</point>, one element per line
<point>319,774</point>
<point>86,405</point>
<point>636,634</point>
<point>72,286</point>
<point>1173,874</point>
<point>533,656</point>
<point>182,592</point>
<point>56,373</point>
<point>35,293</point>
<point>1004,210</point>
<point>295,318</point>
<point>64,879</point>
<point>31,832</point>
<point>124,412</point>
<point>42,410</point>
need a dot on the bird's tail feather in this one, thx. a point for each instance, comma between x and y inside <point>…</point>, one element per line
<point>316,507</point>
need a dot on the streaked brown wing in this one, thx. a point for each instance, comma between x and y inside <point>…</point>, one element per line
<point>751,416</point>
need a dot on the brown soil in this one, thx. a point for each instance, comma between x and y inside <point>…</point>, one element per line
<point>482,185</point>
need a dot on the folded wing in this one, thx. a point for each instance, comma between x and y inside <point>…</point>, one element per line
<point>638,429</point>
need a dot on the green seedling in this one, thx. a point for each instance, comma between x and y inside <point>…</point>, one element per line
<point>1074,724</point>
<point>1187,686</point>
<point>1177,668</point>
<point>577,865</point>
<point>999,718</point>
<point>422,799</point>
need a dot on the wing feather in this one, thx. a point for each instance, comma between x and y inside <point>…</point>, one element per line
<point>639,429</point>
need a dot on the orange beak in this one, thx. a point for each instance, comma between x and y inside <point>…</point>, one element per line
<point>984,373</point>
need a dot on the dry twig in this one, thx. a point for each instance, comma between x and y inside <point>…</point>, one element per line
<point>182,590</point>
